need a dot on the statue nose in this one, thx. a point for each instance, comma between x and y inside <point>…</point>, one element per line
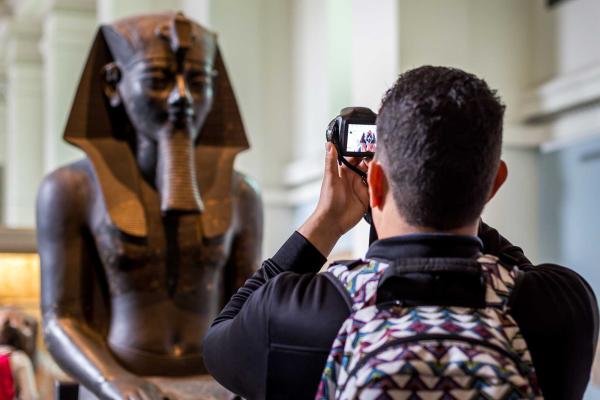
<point>180,96</point>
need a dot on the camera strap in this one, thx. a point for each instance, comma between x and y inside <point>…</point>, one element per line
<point>372,232</point>
<point>362,174</point>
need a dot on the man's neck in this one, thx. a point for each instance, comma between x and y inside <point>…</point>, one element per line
<point>391,227</point>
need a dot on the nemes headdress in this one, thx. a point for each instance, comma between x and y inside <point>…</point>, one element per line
<point>92,127</point>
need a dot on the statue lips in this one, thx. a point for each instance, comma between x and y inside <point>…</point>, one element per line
<point>181,117</point>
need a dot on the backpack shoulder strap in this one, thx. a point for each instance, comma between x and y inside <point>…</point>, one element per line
<point>359,278</point>
<point>500,280</point>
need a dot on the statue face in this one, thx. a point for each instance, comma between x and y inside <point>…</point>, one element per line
<point>157,94</point>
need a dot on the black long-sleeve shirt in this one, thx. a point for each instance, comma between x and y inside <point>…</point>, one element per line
<point>273,337</point>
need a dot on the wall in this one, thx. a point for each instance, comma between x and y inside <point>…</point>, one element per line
<point>255,37</point>
<point>564,37</point>
<point>489,39</point>
<point>340,59</point>
<point>564,105</point>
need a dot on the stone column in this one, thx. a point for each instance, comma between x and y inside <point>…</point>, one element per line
<point>68,30</point>
<point>109,10</point>
<point>3,134</point>
<point>24,164</point>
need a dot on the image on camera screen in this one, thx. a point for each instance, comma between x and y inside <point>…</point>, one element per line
<point>361,138</point>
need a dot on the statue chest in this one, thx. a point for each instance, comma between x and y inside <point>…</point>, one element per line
<point>175,257</point>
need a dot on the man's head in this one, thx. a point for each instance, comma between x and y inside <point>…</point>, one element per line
<point>438,151</point>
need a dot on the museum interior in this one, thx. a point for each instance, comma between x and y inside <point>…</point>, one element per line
<point>292,65</point>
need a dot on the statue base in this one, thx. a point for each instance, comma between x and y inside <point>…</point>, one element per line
<point>199,387</point>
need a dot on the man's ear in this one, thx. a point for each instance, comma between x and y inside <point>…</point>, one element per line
<point>111,75</point>
<point>376,182</point>
<point>500,178</point>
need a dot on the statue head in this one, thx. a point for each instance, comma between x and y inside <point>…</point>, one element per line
<point>162,74</point>
<point>156,83</point>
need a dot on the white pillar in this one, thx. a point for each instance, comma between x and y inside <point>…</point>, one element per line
<point>68,31</point>
<point>3,135</point>
<point>110,10</point>
<point>25,122</point>
<point>311,89</point>
<point>375,55</point>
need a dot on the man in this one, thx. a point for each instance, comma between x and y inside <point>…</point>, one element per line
<point>437,163</point>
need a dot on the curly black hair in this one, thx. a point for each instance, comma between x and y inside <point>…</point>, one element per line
<point>440,139</point>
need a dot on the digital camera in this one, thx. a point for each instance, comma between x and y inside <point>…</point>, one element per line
<point>354,132</point>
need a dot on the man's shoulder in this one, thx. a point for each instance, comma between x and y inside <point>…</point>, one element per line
<point>554,296</point>
<point>547,275</point>
<point>301,287</point>
<point>309,306</point>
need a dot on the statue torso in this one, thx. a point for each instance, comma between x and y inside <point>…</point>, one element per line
<point>165,289</point>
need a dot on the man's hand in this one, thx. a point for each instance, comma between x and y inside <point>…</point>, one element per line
<point>344,199</point>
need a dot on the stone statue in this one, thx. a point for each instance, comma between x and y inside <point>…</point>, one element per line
<point>142,241</point>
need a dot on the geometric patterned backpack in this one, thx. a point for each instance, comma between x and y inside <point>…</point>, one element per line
<point>392,350</point>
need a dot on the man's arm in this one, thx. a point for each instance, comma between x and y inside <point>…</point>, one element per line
<point>557,313</point>
<point>495,244</point>
<point>296,255</point>
<point>236,346</point>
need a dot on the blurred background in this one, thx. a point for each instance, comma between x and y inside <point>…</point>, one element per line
<point>294,64</point>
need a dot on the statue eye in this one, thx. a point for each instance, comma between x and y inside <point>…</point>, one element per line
<point>199,81</point>
<point>156,80</point>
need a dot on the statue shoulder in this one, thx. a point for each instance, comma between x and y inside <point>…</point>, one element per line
<point>246,188</point>
<point>66,189</point>
<point>249,206</point>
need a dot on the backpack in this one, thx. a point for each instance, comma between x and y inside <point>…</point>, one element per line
<point>395,350</point>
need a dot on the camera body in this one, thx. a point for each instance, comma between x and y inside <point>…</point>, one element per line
<point>354,132</point>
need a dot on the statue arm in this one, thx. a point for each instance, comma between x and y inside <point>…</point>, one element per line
<point>246,253</point>
<point>66,263</point>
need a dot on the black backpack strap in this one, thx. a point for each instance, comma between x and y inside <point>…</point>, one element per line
<point>448,282</point>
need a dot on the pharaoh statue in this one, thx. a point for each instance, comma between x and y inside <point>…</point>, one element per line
<point>143,239</point>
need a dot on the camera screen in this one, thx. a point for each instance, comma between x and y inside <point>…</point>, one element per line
<point>361,138</point>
